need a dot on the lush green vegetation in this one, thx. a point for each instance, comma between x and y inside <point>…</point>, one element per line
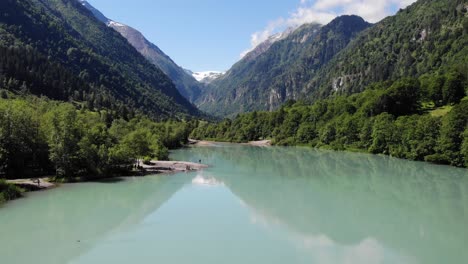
<point>387,118</point>
<point>57,48</point>
<point>428,36</point>
<point>43,137</point>
<point>344,57</point>
<point>8,192</point>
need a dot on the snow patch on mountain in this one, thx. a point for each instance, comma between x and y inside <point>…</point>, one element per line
<point>207,76</point>
<point>115,24</point>
<point>262,47</point>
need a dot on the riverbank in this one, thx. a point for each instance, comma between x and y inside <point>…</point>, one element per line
<point>207,143</point>
<point>260,143</point>
<point>34,184</point>
<point>13,189</point>
<point>161,167</point>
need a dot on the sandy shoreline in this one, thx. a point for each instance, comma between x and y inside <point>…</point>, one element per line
<point>172,166</point>
<point>260,143</point>
<point>156,168</point>
<point>206,143</point>
<point>33,184</point>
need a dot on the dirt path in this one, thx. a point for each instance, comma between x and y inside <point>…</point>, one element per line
<point>33,184</point>
<point>260,143</point>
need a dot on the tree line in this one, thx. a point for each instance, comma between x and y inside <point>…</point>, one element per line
<point>40,137</point>
<point>422,119</point>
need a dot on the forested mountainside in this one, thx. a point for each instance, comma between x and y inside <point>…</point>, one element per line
<point>185,83</point>
<point>58,49</point>
<point>398,118</point>
<point>398,89</point>
<point>344,57</point>
<point>266,81</point>
<point>427,37</point>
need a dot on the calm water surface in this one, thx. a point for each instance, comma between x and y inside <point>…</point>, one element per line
<point>254,205</point>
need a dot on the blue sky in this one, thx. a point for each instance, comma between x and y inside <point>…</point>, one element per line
<point>203,35</point>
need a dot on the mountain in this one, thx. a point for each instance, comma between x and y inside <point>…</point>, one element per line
<point>184,82</point>
<point>58,48</point>
<point>276,72</point>
<point>100,16</point>
<point>398,88</point>
<point>344,57</point>
<point>207,76</point>
<point>427,37</point>
<point>266,45</point>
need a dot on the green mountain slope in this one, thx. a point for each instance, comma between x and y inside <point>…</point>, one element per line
<point>399,88</point>
<point>280,73</point>
<point>184,82</point>
<point>428,36</point>
<point>59,49</point>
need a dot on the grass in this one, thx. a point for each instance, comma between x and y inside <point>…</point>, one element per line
<point>441,111</point>
<point>430,108</point>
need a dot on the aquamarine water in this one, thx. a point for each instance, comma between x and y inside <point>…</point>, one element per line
<point>253,205</point>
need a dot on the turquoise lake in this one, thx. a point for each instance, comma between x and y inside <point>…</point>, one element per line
<point>253,205</point>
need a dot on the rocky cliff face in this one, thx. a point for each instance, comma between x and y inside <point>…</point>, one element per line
<point>276,72</point>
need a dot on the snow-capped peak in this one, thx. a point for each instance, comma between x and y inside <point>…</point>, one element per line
<point>207,76</point>
<point>115,24</point>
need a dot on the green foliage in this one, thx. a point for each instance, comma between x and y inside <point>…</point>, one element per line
<point>41,137</point>
<point>58,49</point>
<point>464,149</point>
<point>384,119</point>
<point>8,192</point>
<point>451,135</point>
<point>382,134</point>
<point>344,57</point>
<point>426,37</point>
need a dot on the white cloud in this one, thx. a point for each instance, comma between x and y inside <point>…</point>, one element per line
<point>323,11</point>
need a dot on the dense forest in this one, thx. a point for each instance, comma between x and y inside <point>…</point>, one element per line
<point>344,57</point>
<point>57,48</point>
<point>79,102</point>
<point>422,119</point>
<point>397,88</point>
<point>427,36</point>
<point>41,137</point>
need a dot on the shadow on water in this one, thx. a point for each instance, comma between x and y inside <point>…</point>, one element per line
<point>415,208</point>
<point>109,180</point>
<point>61,224</point>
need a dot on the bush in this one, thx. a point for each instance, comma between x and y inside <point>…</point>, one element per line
<point>147,160</point>
<point>9,192</point>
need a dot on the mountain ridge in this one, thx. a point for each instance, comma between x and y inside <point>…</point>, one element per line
<point>105,69</point>
<point>275,76</point>
<point>184,82</point>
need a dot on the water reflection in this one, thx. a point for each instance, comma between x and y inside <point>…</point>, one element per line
<point>358,202</point>
<point>254,205</point>
<point>59,225</point>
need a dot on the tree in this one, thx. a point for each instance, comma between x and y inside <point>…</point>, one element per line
<point>464,149</point>
<point>63,138</point>
<point>451,136</point>
<point>404,97</point>
<point>136,144</point>
<point>454,88</point>
<point>382,134</point>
